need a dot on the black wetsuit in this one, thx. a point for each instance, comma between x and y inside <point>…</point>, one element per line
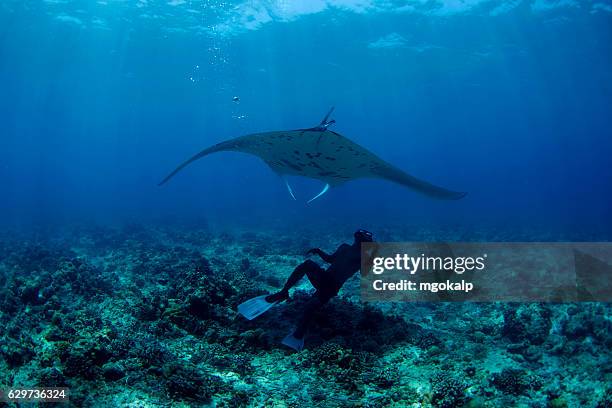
<point>344,263</point>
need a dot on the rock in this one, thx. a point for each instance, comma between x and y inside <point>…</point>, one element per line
<point>112,372</point>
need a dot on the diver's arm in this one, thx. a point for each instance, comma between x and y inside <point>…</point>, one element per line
<point>323,255</point>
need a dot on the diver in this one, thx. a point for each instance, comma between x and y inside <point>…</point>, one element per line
<point>343,264</point>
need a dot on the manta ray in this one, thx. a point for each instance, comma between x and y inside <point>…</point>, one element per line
<point>320,154</point>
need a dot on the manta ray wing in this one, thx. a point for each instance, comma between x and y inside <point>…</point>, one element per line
<point>338,159</point>
<point>293,152</point>
<point>391,173</point>
<point>228,145</point>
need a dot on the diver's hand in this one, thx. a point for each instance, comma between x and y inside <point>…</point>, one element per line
<point>324,256</point>
<point>313,251</point>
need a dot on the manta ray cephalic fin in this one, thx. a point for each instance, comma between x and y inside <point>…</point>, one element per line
<point>289,187</point>
<point>320,194</point>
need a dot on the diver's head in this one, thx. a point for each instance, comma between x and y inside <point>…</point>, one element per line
<point>362,235</point>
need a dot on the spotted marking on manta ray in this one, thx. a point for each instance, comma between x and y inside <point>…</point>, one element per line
<point>293,166</point>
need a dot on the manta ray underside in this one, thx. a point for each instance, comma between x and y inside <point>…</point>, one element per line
<point>320,154</point>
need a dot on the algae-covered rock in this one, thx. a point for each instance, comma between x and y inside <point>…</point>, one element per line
<point>515,381</point>
<point>187,382</point>
<point>448,391</point>
<point>113,372</point>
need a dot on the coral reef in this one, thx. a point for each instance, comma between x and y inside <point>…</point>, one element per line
<point>447,391</point>
<point>145,316</point>
<point>515,381</point>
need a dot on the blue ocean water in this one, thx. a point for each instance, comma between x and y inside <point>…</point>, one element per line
<point>510,101</point>
<point>127,293</point>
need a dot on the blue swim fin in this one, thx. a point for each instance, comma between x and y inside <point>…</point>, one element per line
<point>255,307</point>
<point>294,342</point>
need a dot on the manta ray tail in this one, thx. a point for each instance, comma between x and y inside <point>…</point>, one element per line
<point>398,176</point>
<point>325,123</point>
<point>228,145</point>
